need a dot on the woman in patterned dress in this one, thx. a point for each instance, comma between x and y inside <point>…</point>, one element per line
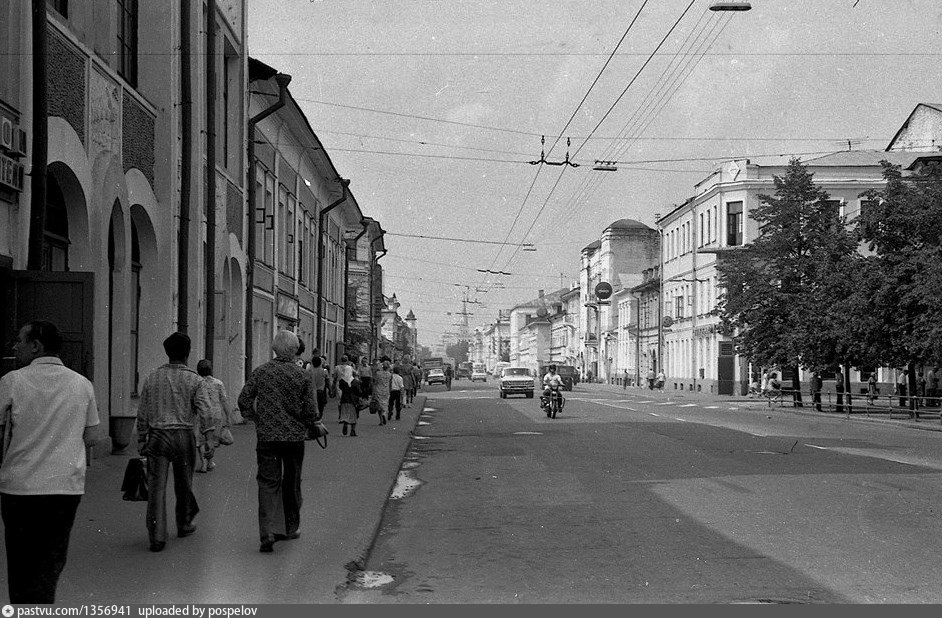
<point>379,402</point>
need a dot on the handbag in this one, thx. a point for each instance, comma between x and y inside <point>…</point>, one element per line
<point>224,436</point>
<point>134,484</point>
<point>318,431</point>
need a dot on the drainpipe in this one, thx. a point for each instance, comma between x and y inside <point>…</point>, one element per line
<point>282,80</point>
<point>210,254</point>
<point>37,206</point>
<point>186,161</point>
<point>321,216</point>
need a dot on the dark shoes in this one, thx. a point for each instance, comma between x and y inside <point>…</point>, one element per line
<point>288,537</point>
<point>186,531</point>
<point>353,432</point>
<point>267,546</point>
<point>344,430</point>
<point>157,546</point>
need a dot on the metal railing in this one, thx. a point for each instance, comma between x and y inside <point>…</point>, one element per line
<point>887,406</point>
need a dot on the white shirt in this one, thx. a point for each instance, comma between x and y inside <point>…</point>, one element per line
<point>396,384</point>
<point>552,379</point>
<point>48,406</point>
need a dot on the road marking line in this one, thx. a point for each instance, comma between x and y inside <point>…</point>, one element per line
<point>653,414</point>
<point>682,420</point>
<point>666,403</point>
<point>688,405</point>
<point>527,433</point>
<point>650,401</point>
<point>711,407</point>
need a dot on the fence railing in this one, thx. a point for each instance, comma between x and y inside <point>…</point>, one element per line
<point>888,406</point>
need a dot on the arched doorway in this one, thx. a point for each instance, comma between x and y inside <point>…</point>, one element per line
<point>118,305</point>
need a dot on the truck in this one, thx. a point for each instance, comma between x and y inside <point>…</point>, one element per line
<point>464,370</point>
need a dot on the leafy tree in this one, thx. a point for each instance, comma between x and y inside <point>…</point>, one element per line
<point>901,280</point>
<point>782,291</point>
<point>458,351</point>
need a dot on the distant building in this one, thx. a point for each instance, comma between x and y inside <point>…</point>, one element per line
<point>922,131</point>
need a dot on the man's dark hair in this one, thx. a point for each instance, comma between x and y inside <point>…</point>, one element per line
<point>177,346</point>
<point>552,367</point>
<point>204,368</point>
<point>45,333</point>
<point>316,361</point>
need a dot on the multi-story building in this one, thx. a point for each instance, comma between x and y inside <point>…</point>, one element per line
<point>564,328</point>
<point>530,330</point>
<point>697,354</point>
<point>648,323</point>
<point>127,249</point>
<point>625,249</point>
<point>362,312</point>
<point>495,342</point>
<point>305,219</point>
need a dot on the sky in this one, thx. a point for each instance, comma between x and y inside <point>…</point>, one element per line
<point>434,109</point>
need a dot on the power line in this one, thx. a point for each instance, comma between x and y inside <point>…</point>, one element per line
<point>469,240</point>
<point>561,54</point>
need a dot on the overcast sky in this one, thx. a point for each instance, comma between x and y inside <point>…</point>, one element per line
<point>471,85</point>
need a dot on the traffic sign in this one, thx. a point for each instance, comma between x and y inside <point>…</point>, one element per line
<point>603,290</point>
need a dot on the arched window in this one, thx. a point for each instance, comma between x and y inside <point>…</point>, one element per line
<point>56,230</point>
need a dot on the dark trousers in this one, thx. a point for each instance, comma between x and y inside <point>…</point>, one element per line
<point>840,400</point>
<point>322,401</point>
<point>395,401</point>
<point>816,400</point>
<point>36,530</point>
<point>166,448</point>
<point>279,486</point>
<point>902,395</point>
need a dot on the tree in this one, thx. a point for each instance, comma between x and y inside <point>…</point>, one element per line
<point>901,280</point>
<point>780,298</point>
<point>458,351</point>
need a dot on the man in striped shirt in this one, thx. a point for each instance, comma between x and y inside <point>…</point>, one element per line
<point>174,401</point>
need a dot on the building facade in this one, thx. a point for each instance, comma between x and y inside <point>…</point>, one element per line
<point>127,235</point>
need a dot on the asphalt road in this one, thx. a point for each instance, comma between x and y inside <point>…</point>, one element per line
<point>632,497</point>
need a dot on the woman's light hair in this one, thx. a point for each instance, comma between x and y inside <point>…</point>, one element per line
<point>285,343</point>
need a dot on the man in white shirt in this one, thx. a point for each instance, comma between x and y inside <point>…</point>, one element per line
<point>396,385</point>
<point>47,412</point>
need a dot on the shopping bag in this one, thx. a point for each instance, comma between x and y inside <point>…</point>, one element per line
<point>134,485</point>
<point>318,431</point>
<point>224,436</point>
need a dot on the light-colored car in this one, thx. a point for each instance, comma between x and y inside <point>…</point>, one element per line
<point>435,376</point>
<point>516,381</point>
<point>478,375</point>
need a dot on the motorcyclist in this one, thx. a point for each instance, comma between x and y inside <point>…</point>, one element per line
<point>550,380</point>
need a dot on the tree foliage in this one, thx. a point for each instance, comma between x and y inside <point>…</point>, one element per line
<point>900,294</point>
<point>783,292</point>
<point>458,351</point>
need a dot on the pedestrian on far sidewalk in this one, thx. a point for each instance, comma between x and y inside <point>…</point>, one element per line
<point>395,393</point>
<point>651,378</point>
<point>839,390</point>
<point>220,407</point>
<point>379,401</point>
<point>279,398</point>
<point>366,375</point>
<point>659,382</point>
<point>408,384</point>
<point>817,384</point>
<point>174,404</point>
<point>47,420</point>
<point>901,385</point>
<point>624,380</point>
<point>319,380</point>
<point>417,379</point>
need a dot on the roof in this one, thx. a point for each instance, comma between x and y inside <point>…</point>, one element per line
<point>593,246</point>
<point>855,158</point>
<point>936,106</point>
<point>410,315</point>
<point>628,224</point>
<point>258,70</point>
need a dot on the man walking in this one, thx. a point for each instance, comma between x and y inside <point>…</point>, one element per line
<point>47,413</point>
<point>279,398</point>
<point>175,403</point>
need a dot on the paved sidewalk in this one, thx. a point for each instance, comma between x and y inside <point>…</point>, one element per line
<point>930,419</point>
<point>345,489</point>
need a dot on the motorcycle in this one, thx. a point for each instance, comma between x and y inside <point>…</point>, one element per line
<point>554,403</point>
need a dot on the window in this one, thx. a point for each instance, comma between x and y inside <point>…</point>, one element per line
<point>733,223</point>
<point>127,40</point>
<point>709,225</point>
<point>56,232</point>
<point>679,307</point>
<point>283,225</point>
<point>701,229</point>
<point>291,238</point>
<point>269,253</point>
<point>59,6</point>
<point>258,221</point>
<point>716,224</point>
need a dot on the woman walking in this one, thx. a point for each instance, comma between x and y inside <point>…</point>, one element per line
<point>219,407</point>
<point>395,393</point>
<point>349,396</point>
<point>382,379</point>
<point>366,375</point>
<point>319,377</point>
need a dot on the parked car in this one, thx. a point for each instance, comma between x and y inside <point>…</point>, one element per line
<point>435,376</point>
<point>479,375</point>
<point>516,381</point>
<point>569,374</point>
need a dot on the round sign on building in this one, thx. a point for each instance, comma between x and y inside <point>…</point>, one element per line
<point>603,291</point>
